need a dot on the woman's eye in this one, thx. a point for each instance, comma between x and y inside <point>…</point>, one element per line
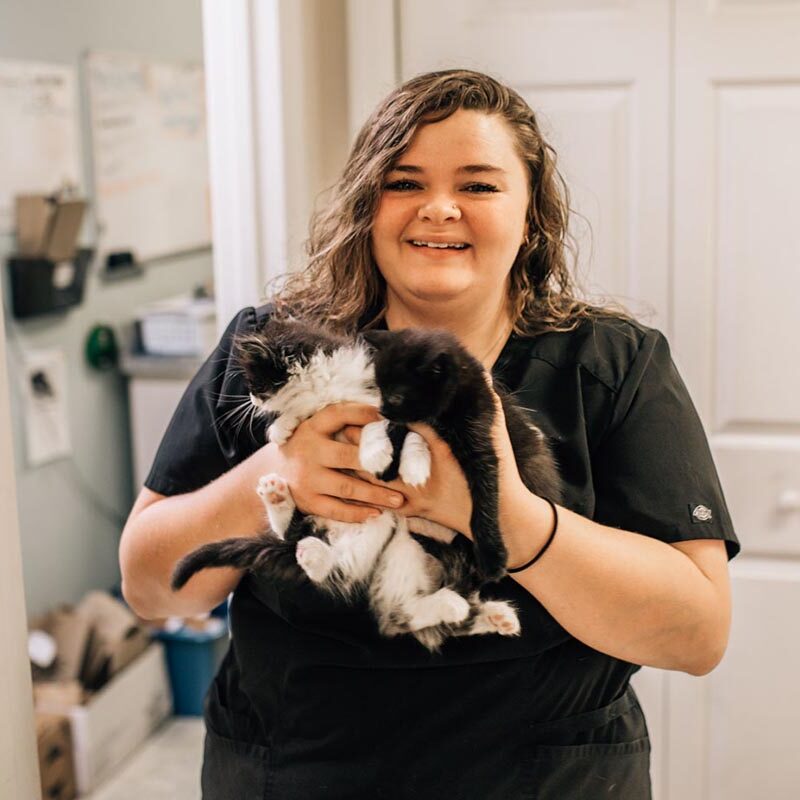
<point>481,187</point>
<point>401,186</point>
<point>408,186</point>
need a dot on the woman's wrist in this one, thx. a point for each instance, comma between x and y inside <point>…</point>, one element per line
<point>526,521</point>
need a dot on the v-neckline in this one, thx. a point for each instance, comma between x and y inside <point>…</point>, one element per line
<point>498,363</point>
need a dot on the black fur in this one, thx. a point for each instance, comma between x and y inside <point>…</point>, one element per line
<point>427,376</point>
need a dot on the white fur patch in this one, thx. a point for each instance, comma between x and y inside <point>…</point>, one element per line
<point>315,557</point>
<point>277,499</point>
<point>415,460</point>
<point>346,375</point>
<point>496,616</point>
<point>375,448</point>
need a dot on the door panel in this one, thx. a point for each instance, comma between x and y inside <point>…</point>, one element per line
<point>596,72</point>
<point>754,695</point>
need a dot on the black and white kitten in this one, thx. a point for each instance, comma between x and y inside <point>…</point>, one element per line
<point>415,584</point>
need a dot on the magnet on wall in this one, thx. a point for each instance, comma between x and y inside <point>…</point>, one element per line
<point>101,347</point>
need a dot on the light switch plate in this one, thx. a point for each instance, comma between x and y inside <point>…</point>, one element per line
<point>45,406</point>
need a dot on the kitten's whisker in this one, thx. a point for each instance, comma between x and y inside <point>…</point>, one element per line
<point>252,420</point>
<point>228,396</point>
<point>239,409</point>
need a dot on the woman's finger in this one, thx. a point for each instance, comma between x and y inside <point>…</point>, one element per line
<point>331,508</point>
<point>335,417</point>
<point>338,455</point>
<point>346,487</point>
<point>352,434</point>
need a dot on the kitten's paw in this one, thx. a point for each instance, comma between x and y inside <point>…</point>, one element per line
<point>277,499</point>
<point>273,490</point>
<point>450,606</point>
<point>497,616</point>
<point>280,430</point>
<point>375,447</point>
<point>315,557</point>
<point>415,460</point>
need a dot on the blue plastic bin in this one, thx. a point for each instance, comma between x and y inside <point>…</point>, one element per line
<point>192,660</point>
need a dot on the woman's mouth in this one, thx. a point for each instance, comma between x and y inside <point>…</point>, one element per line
<point>421,244</point>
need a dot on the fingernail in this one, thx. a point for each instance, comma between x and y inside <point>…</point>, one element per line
<point>395,501</point>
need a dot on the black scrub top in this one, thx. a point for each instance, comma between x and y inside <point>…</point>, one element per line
<point>310,702</point>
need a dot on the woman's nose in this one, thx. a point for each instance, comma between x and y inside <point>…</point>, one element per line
<point>438,210</point>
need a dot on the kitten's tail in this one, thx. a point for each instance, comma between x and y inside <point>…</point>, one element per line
<point>253,553</point>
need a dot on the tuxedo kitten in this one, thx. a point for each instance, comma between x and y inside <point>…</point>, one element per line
<point>414,584</point>
<point>427,376</point>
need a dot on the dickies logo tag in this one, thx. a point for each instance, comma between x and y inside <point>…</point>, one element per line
<point>700,513</point>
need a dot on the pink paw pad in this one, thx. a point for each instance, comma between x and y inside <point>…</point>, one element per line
<point>502,623</point>
<point>273,489</point>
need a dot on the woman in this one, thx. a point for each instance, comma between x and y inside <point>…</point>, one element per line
<point>450,213</point>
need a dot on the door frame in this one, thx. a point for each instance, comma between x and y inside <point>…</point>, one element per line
<point>245,108</point>
<point>19,763</point>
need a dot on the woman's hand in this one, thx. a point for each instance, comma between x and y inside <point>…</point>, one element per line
<point>311,460</point>
<point>446,498</point>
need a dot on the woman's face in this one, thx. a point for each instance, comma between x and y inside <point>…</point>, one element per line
<point>459,183</point>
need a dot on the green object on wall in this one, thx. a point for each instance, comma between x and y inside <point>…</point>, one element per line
<point>101,347</point>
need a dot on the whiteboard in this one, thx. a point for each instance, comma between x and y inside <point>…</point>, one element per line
<point>150,154</point>
<point>39,148</point>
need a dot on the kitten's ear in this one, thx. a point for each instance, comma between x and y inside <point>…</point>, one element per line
<point>250,348</point>
<point>376,338</point>
<point>254,356</point>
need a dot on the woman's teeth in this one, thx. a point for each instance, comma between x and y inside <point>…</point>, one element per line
<point>440,245</point>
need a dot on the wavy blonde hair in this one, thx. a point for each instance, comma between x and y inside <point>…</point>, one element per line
<point>341,285</point>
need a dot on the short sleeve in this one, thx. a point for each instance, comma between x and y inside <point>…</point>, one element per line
<point>653,469</point>
<point>205,436</point>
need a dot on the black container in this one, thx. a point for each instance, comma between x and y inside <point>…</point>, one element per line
<point>34,291</point>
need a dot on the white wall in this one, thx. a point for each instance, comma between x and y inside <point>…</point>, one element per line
<point>68,545</point>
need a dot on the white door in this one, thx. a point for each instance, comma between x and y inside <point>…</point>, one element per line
<point>597,73</point>
<point>736,309</point>
<point>677,122</point>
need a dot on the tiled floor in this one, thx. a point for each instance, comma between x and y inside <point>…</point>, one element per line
<point>166,766</point>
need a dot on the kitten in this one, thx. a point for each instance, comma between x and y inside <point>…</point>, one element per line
<point>414,584</point>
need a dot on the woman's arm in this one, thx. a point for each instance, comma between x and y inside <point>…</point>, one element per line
<point>625,594</point>
<point>622,593</point>
<point>161,530</point>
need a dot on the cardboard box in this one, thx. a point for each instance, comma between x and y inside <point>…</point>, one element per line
<point>54,743</point>
<point>116,638</point>
<point>94,640</point>
<point>34,214</point>
<point>118,718</point>
<point>48,225</point>
<point>65,226</point>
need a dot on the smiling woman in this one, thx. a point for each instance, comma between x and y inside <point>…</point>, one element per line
<point>450,214</point>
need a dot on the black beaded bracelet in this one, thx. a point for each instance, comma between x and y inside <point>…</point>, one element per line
<point>546,544</point>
